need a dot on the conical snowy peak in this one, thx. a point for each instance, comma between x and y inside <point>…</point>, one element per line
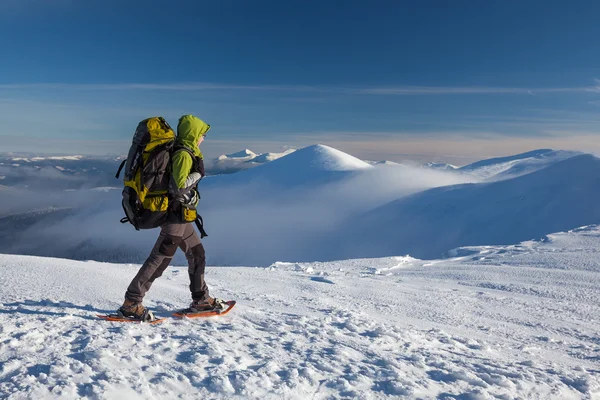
<point>313,164</point>
<point>324,158</point>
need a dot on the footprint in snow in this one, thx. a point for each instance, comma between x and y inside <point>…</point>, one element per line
<point>321,279</point>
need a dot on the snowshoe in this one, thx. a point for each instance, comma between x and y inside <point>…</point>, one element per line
<point>132,312</point>
<point>211,307</point>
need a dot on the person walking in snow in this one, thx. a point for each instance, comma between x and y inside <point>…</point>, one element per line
<point>178,232</point>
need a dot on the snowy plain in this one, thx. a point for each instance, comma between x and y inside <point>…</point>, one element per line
<point>508,322</point>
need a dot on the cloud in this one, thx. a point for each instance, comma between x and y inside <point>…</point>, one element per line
<point>254,222</point>
<point>466,90</point>
<point>373,91</point>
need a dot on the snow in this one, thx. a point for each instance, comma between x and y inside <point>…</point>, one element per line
<point>519,321</point>
<point>245,159</point>
<point>242,154</point>
<point>515,317</point>
<point>438,166</point>
<point>105,189</point>
<point>268,157</point>
<point>520,164</point>
<point>560,197</point>
<point>68,158</point>
<point>61,158</point>
<point>311,165</point>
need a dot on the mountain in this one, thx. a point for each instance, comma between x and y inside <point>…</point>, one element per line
<point>515,322</point>
<point>316,203</point>
<point>443,167</point>
<point>559,197</point>
<point>240,154</point>
<point>517,165</point>
<point>268,157</point>
<point>58,172</point>
<point>313,164</point>
<point>242,160</point>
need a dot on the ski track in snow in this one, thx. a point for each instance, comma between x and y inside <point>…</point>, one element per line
<point>502,322</point>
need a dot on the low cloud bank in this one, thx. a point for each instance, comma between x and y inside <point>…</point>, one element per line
<point>250,223</point>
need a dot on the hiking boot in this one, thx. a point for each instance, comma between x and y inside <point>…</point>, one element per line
<point>133,310</point>
<point>205,305</point>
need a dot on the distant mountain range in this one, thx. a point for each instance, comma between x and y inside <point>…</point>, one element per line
<point>316,203</point>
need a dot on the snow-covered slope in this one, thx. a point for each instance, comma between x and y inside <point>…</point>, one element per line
<point>313,164</point>
<point>268,157</point>
<point>438,166</point>
<point>516,322</point>
<point>559,197</point>
<point>517,165</point>
<point>242,160</point>
<point>245,154</point>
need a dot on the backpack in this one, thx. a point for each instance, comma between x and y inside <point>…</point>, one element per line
<point>147,174</point>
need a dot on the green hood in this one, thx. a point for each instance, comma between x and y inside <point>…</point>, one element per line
<point>189,130</point>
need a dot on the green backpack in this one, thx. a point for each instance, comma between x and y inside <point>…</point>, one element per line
<point>147,174</point>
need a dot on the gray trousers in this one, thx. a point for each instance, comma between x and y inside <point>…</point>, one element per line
<point>172,236</point>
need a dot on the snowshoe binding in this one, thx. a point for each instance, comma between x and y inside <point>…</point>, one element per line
<point>206,308</point>
<point>132,312</point>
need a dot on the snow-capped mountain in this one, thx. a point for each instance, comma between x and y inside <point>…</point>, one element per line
<point>311,190</point>
<point>520,164</point>
<point>438,166</point>
<point>559,197</point>
<point>58,172</point>
<point>242,160</point>
<point>245,154</point>
<point>315,204</point>
<point>310,165</point>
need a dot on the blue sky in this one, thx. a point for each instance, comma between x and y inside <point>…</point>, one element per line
<point>379,79</point>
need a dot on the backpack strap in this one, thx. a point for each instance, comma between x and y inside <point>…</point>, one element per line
<point>179,148</point>
<point>120,168</point>
<point>200,224</point>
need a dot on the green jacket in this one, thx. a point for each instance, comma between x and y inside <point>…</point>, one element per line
<point>189,130</point>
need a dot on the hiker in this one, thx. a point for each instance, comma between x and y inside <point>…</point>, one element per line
<point>187,168</point>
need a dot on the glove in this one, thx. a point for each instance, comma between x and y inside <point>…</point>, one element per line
<point>191,199</point>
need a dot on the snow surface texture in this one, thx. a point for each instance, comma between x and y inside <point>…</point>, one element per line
<point>520,321</point>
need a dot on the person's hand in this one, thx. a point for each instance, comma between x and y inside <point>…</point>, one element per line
<point>191,199</point>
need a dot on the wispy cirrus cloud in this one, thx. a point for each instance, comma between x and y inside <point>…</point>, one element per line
<point>465,90</point>
<point>381,90</point>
